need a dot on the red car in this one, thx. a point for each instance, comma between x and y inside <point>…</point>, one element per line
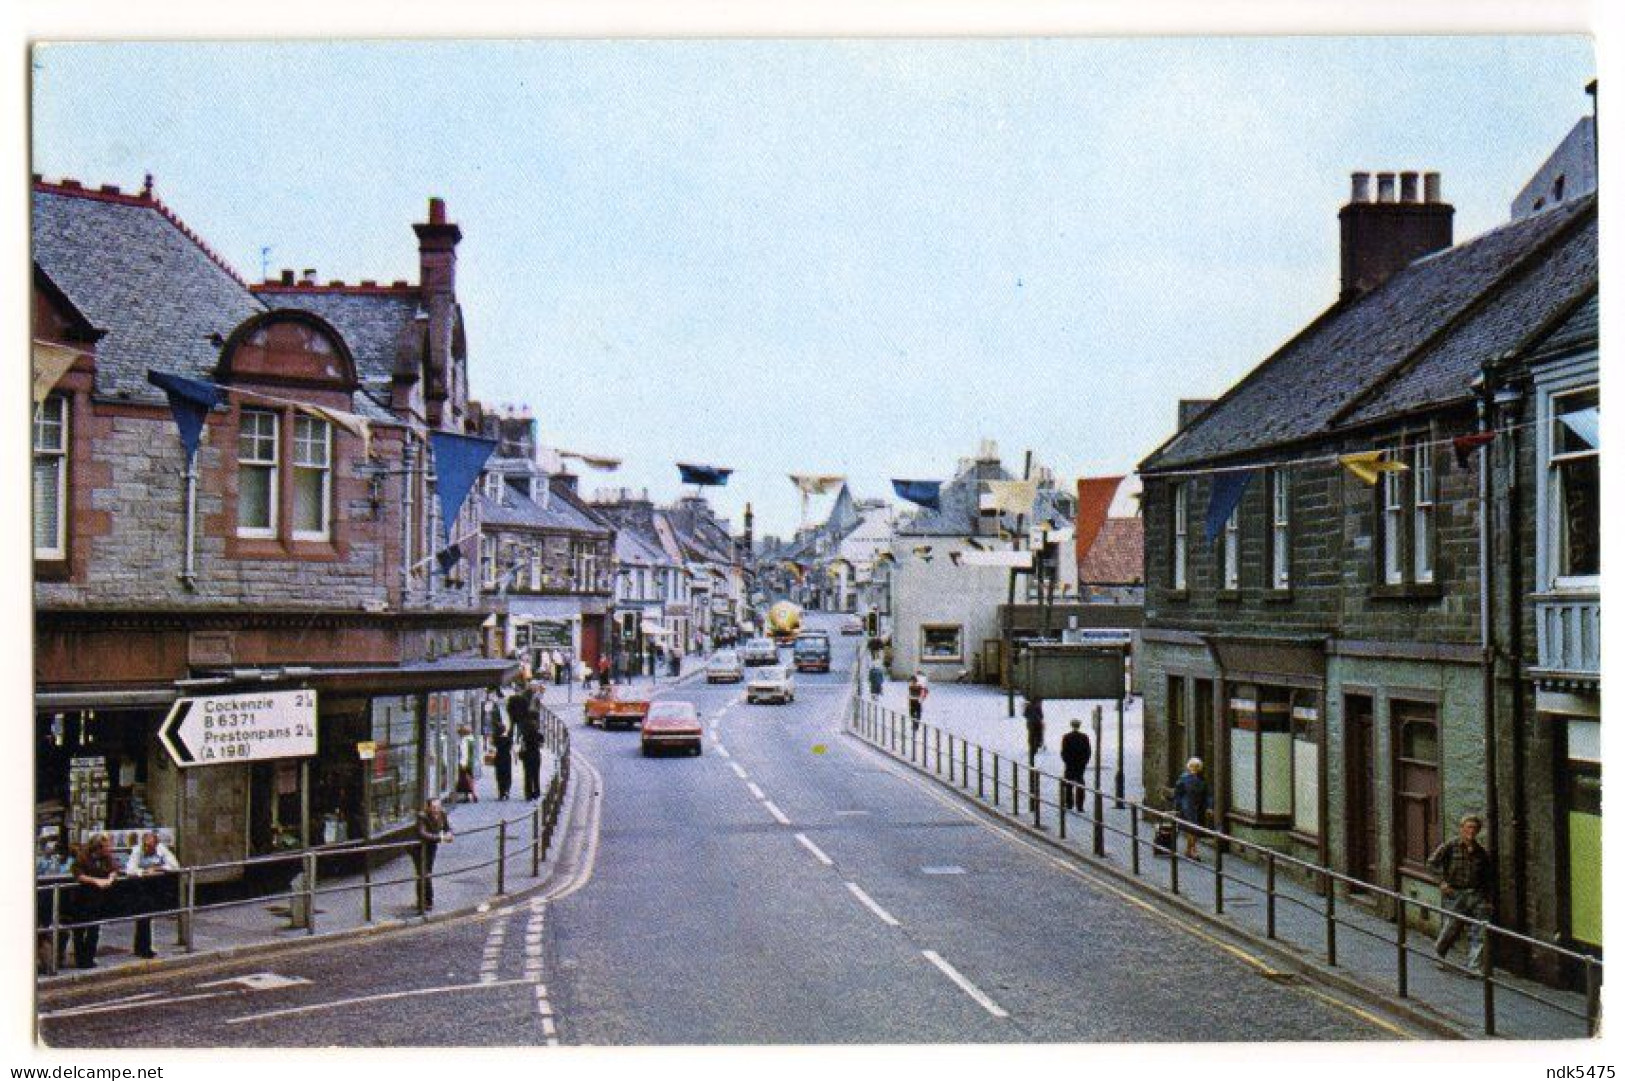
<point>671,724</point>
<point>614,705</point>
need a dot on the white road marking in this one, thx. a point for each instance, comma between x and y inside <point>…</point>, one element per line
<point>548,1028</point>
<point>964,985</point>
<point>773,810</point>
<point>720,749</point>
<point>757,792</point>
<point>386,997</point>
<point>869,903</point>
<point>259,981</point>
<point>739,770</point>
<point>948,870</point>
<point>817,852</point>
<point>125,1004</point>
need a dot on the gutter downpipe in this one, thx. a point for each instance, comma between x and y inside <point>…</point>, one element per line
<point>189,568</point>
<point>409,475</point>
<point>1486,613</point>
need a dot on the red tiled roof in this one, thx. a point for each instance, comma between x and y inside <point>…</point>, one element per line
<point>1118,555</point>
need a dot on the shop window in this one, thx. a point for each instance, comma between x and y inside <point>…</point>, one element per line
<point>1261,752</point>
<point>1306,732</point>
<point>1181,501</point>
<point>1280,530</point>
<point>257,474</point>
<point>1416,753</point>
<point>312,478</point>
<point>1573,496</point>
<point>942,642</point>
<point>392,785</point>
<point>51,478</point>
<point>1582,805</point>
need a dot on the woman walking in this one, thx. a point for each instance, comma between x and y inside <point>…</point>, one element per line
<point>1192,799</point>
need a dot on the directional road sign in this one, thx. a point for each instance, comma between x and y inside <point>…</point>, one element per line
<point>230,728</point>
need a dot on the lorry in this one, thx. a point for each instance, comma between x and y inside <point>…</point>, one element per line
<point>812,652</point>
<point>784,622</point>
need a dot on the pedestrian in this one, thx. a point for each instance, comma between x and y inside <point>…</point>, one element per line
<point>434,830</point>
<point>468,751</point>
<point>1192,798</point>
<point>1076,751</point>
<point>1034,713</point>
<point>502,751</point>
<point>1468,888</point>
<point>95,871</point>
<point>603,671</point>
<point>530,747</point>
<point>874,647</point>
<point>918,692</point>
<point>877,680</point>
<point>151,857</point>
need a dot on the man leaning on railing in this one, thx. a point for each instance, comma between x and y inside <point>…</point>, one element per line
<point>1469,876</point>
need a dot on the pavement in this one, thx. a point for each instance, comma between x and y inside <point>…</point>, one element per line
<point>354,900</point>
<point>1365,945</point>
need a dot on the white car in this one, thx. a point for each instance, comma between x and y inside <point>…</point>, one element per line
<point>724,667</point>
<point>776,684</point>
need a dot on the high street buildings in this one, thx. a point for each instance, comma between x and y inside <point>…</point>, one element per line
<point>299,554</point>
<point>1317,624</point>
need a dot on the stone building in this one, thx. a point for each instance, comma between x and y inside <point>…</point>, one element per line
<point>297,555</point>
<point>1326,651</point>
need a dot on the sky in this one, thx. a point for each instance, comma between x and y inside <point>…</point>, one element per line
<point>853,257</point>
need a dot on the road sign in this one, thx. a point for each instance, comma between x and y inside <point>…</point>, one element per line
<point>254,726</point>
<point>550,634</point>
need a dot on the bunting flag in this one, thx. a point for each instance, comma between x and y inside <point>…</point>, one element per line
<point>596,461</point>
<point>354,423</point>
<point>795,569</point>
<point>1464,445</point>
<point>923,493</point>
<point>704,475</point>
<point>449,557</point>
<point>815,483</point>
<point>189,401</point>
<point>1095,495</point>
<point>1018,560</point>
<point>458,460</point>
<point>1585,423</point>
<point>1010,496</point>
<point>1369,464</point>
<point>1228,488</point>
<point>51,363</point>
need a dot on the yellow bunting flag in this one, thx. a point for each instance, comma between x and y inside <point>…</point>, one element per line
<point>51,363</point>
<point>1010,496</point>
<point>815,483</point>
<point>353,423</point>
<point>1369,464</point>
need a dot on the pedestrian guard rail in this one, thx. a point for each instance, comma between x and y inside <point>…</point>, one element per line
<point>1027,794</point>
<point>511,843</point>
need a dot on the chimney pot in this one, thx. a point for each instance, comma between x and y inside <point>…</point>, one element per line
<point>1385,187</point>
<point>337,282</point>
<point>369,283</point>
<point>1362,188</point>
<point>437,211</point>
<point>287,277</point>
<point>1430,188</point>
<point>1407,187</point>
<point>401,283</point>
<point>307,276</point>
<point>71,184</point>
<point>1383,237</point>
<point>111,189</point>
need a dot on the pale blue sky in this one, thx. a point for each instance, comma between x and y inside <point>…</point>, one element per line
<point>855,257</point>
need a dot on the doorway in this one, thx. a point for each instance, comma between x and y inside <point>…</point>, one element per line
<point>1363,847</point>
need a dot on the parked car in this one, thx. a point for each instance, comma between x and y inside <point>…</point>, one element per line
<point>616,705</point>
<point>776,684</point>
<point>812,653</point>
<point>852,625</point>
<point>671,725</point>
<point>724,667</point>
<point>761,651</point>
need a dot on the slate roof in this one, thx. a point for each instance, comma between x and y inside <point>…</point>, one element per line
<point>1577,330</point>
<point>519,510</point>
<point>375,324</point>
<point>1397,337</point>
<point>1117,558</point>
<point>129,266</point>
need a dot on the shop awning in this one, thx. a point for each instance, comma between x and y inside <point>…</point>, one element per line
<point>459,673</point>
<point>655,629</point>
<point>104,698</point>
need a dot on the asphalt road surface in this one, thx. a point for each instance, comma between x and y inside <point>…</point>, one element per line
<point>787,886</point>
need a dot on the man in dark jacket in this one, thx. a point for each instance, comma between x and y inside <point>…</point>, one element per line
<point>434,829</point>
<point>1034,712</point>
<point>502,732</point>
<point>529,732</point>
<point>1468,887</point>
<point>1076,752</point>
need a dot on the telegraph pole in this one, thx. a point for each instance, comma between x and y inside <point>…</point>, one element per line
<point>1010,604</point>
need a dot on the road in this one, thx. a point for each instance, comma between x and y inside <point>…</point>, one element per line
<point>788,886</point>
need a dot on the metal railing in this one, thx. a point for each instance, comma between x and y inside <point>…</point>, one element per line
<point>542,820</point>
<point>1017,790</point>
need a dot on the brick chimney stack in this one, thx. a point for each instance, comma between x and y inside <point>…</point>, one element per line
<point>1386,233</point>
<point>437,251</point>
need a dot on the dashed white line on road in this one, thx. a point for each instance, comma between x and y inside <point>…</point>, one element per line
<point>869,903</point>
<point>965,985</point>
<point>773,810</point>
<point>755,791</point>
<point>719,748</point>
<point>739,770</point>
<point>817,852</point>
